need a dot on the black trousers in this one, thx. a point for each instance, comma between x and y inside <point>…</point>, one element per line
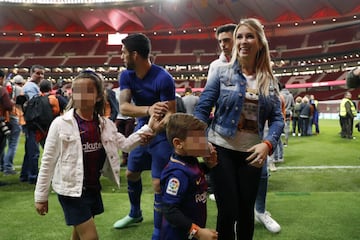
<point>235,186</point>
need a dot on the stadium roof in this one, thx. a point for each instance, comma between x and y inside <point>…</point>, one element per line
<point>176,18</point>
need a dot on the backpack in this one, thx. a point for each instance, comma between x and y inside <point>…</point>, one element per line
<point>38,113</point>
<point>180,107</point>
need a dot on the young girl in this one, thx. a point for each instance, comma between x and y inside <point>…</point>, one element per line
<point>81,145</point>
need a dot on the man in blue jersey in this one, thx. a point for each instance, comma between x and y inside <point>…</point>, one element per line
<point>152,91</point>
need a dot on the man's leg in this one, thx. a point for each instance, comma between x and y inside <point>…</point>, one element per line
<point>160,153</point>
<point>139,160</point>
<point>13,141</point>
<point>34,153</point>
<point>261,215</point>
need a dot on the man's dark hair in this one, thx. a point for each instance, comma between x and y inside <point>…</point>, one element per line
<point>225,28</point>
<point>45,86</point>
<point>32,70</point>
<point>2,74</point>
<point>138,42</point>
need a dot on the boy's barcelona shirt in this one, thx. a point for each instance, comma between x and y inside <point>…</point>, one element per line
<point>183,185</point>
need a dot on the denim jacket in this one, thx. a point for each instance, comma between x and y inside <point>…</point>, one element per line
<point>62,160</point>
<point>225,88</point>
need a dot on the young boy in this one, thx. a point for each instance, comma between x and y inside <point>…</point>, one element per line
<point>183,185</point>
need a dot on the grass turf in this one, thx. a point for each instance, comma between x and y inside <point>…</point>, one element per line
<point>309,203</point>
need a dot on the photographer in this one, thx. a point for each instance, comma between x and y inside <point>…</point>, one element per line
<point>5,106</point>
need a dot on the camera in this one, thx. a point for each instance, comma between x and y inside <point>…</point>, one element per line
<point>4,128</point>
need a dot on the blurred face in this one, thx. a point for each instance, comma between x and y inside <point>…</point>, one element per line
<point>226,42</point>
<point>128,58</point>
<point>196,144</point>
<point>84,94</point>
<point>247,43</point>
<point>38,75</point>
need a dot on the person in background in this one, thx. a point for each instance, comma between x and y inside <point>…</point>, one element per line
<point>190,100</point>
<point>29,169</point>
<point>46,90</point>
<point>16,120</point>
<point>81,146</point>
<point>146,90</point>
<point>289,107</point>
<point>245,93</point>
<point>111,104</point>
<point>125,125</point>
<point>305,114</point>
<point>315,115</point>
<point>347,114</point>
<point>6,105</point>
<point>183,184</point>
<point>353,78</point>
<point>224,36</point>
<point>296,122</point>
<point>180,106</point>
<point>278,153</point>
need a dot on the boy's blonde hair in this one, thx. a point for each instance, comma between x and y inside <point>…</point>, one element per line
<point>180,123</point>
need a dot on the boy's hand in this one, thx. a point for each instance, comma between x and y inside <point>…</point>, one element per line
<point>206,234</point>
<point>212,160</point>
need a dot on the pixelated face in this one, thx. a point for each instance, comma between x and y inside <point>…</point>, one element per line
<point>84,93</point>
<point>196,144</point>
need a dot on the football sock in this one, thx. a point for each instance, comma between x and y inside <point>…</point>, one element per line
<point>134,192</point>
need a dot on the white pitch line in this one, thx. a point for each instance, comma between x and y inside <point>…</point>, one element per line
<point>318,167</point>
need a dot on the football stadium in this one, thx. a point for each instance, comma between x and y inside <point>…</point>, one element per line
<point>313,186</point>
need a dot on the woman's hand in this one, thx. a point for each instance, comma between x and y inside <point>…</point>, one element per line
<point>211,161</point>
<point>259,154</point>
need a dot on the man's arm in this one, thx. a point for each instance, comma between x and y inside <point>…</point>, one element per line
<point>353,78</point>
<point>129,109</point>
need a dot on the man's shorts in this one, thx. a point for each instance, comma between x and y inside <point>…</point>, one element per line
<point>78,210</point>
<point>153,156</point>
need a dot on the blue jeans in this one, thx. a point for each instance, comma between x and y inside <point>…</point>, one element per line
<point>29,170</point>
<point>260,202</point>
<point>13,141</point>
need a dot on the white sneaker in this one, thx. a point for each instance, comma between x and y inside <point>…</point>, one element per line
<point>265,219</point>
<point>294,134</point>
<point>272,167</point>
<point>212,197</point>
